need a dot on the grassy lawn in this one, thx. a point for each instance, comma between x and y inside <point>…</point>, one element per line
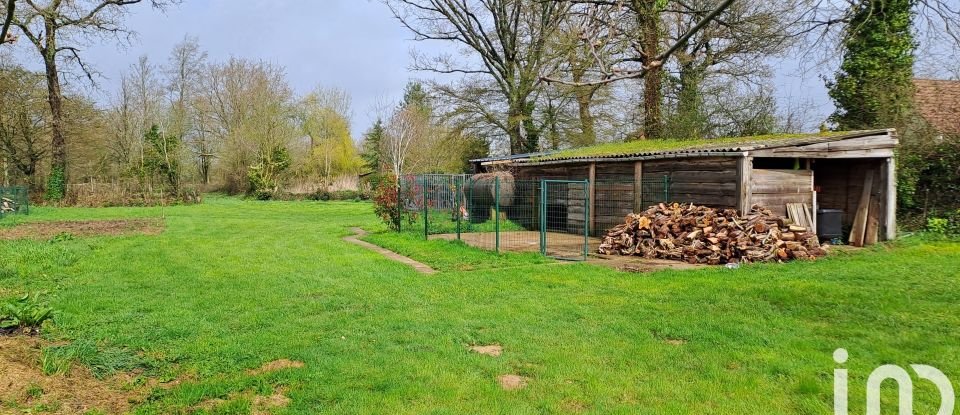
<point>231,285</point>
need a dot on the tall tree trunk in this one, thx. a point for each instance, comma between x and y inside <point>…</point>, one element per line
<point>652,81</point>
<point>515,129</point>
<point>57,182</point>
<point>588,133</point>
<point>532,142</point>
<point>584,94</point>
<point>689,120</point>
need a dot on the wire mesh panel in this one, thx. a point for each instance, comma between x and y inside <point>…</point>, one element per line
<point>613,200</point>
<point>565,215</point>
<point>494,211</point>
<point>434,203</point>
<point>14,200</point>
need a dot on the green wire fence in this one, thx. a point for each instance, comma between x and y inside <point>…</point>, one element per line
<point>557,218</point>
<point>14,200</point>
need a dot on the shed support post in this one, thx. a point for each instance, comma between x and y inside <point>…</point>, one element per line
<point>890,220</point>
<point>745,167</point>
<point>591,196</point>
<point>638,187</point>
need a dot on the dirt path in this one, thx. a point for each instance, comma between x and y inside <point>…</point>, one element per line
<point>419,266</point>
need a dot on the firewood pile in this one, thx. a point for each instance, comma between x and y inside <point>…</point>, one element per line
<point>7,205</point>
<point>703,235</point>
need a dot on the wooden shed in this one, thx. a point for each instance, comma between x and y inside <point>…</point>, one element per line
<point>849,171</point>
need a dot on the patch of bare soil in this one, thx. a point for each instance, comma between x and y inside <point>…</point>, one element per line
<point>48,230</point>
<point>512,382</point>
<point>676,342</point>
<point>640,265</point>
<point>490,350</point>
<point>276,365</point>
<point>263,405</point>
<point>24,388</point>
<point>259,404</point>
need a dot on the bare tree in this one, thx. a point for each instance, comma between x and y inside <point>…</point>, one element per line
<point>123,141</point>
<point>9,8</point>
<point>324,117</point>
<point>823,23</point>
<point>634,27</point>
<point>23,122</point>
<point>184,77</point>
<point>507,43</point>
<point>249,115</point>
<point>734,48</point>
<point>147,99</point>
<point>45,25</point>
<point>184,73</point>
<point>405,127</point>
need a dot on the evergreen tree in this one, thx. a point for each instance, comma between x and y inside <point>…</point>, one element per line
<point>415,95</point>
<point>873,88</point>
<point>372,140</point>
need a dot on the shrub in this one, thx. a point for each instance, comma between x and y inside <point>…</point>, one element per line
<point>354,195</point>
<point>27,313</point>
<point>56,185</point>
<point>387,204</point>
<point>266,176</point>
<point>948,226</point>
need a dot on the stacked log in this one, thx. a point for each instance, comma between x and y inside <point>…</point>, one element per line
<point>703,235</point>
<point>7,205</point>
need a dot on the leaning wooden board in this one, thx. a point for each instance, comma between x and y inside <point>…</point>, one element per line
<point>872,233</point>
<point>863,209</point>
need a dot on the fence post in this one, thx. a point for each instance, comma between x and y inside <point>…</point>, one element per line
<point>586,220</point>
<point>497,210</point>
<point>666,188</point>
<point>457,187</point>
<point>426,212</point>
<point>26,199</point>
<point>543,217</point>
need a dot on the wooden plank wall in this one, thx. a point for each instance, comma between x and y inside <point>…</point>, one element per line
<point>775,188</point>
<point>531,175</point>
<point>840,184</point>
<point>704,181</point>
<point>575,208</point>
<point>554,172</point>
<point>614,196</point>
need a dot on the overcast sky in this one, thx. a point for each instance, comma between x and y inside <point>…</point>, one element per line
<point>351,44</point>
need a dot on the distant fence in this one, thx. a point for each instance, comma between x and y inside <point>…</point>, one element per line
<point>14,200</point>
<point>558,218</point>
<point>126,193</point>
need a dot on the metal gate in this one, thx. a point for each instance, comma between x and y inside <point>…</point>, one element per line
<point>564,219</point>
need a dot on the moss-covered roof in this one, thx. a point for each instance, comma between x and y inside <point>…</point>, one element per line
<point>718,145</point>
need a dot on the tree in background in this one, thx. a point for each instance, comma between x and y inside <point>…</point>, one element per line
<point>184,73</point>
<point>507,42</point>
<point>407,126</point>
<point>723,60</point>
<point>371,147</point>
<point>160,161</point>
<point>23,123</point>
<point>634,29</point>
<point>250,115</point>
<point>324,119</point>
<point>873,87</point>
<point>7,9</point>
<point>48,24</point>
